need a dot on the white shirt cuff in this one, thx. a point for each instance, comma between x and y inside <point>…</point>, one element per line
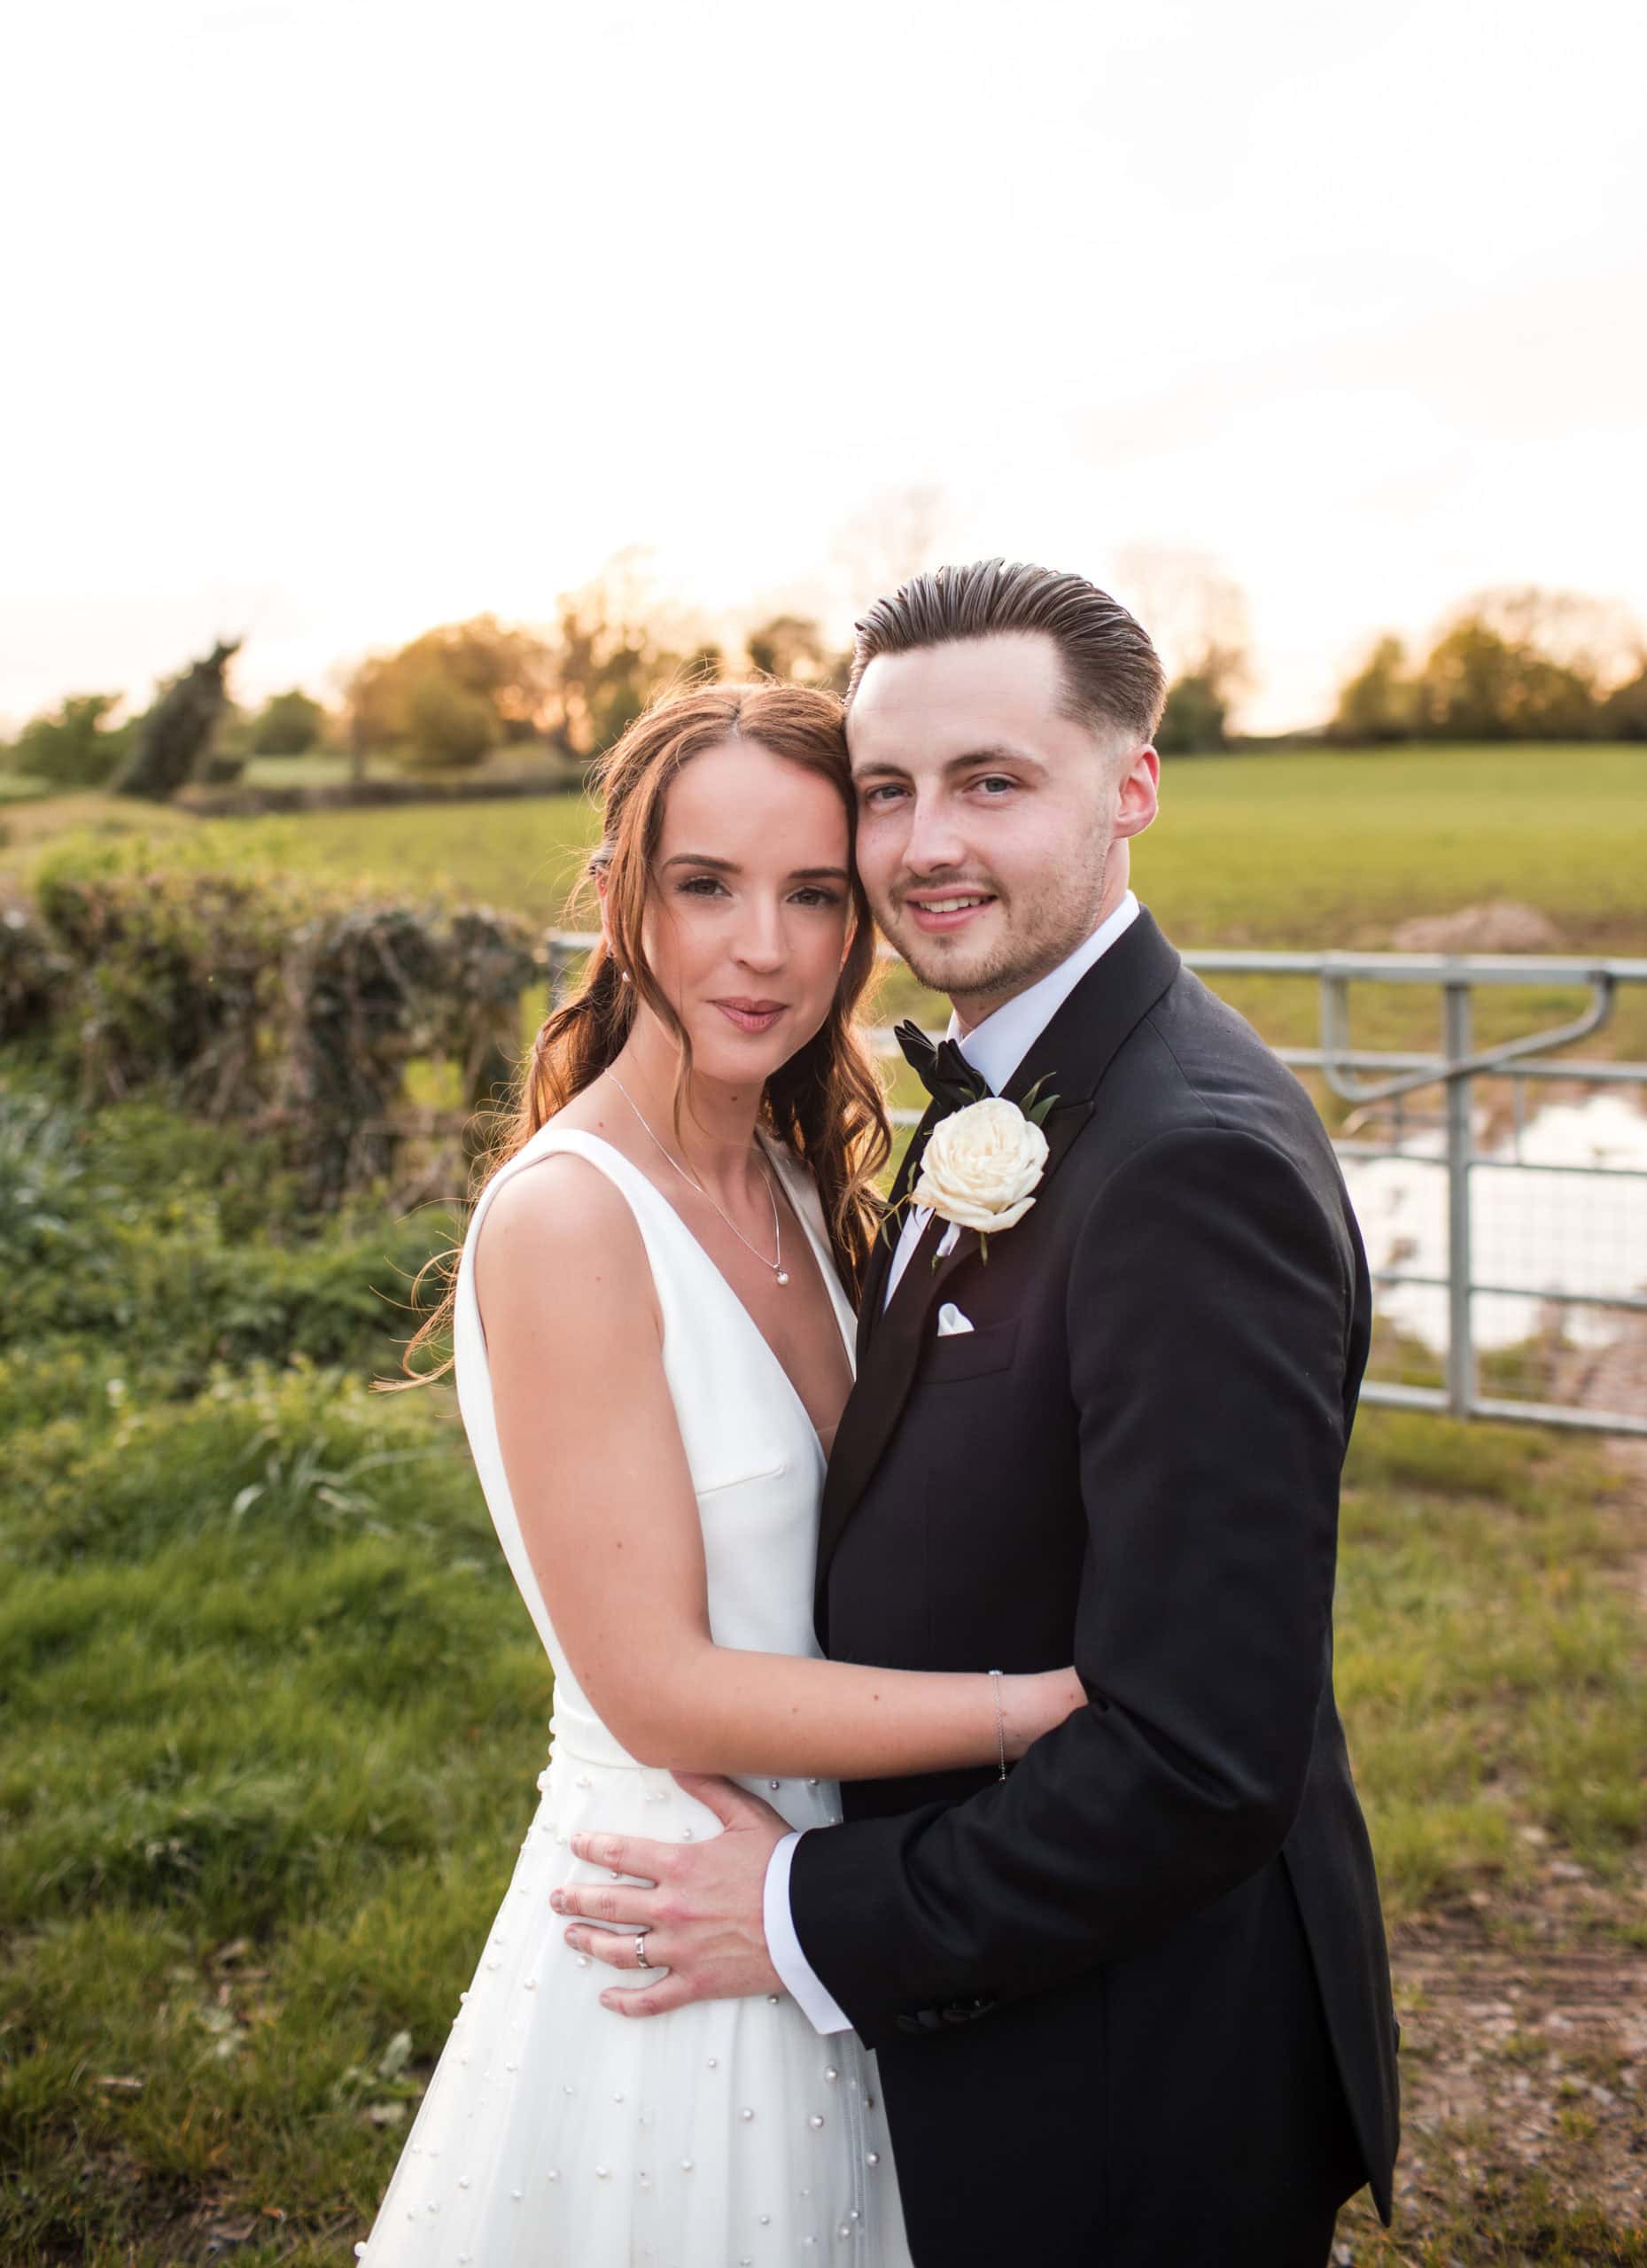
<point>800,1980</point>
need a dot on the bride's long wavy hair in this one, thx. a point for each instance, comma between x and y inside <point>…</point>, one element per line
<point>825,1101</point>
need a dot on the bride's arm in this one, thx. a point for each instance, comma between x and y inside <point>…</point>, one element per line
<point>598,1478</point>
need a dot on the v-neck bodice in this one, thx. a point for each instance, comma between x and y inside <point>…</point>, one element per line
<point>755,1460</point>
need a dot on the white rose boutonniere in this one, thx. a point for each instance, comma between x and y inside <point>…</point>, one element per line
<point>983,1164</point>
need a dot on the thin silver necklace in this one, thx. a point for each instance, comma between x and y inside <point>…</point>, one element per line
<point>776,1266</point>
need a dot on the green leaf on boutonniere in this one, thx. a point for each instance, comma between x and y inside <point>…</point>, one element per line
<point>1036,1106</point>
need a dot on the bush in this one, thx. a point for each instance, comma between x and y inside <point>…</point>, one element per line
<point>182,1247</point>
<point>177,978</point>
<point>445,724</point>
<point>1380,704</point>
<point>220,767</point>
<point>172,737</point>
<point>288,724</point>
<point>76,746</point>
<point>250,998</point>
<point>1624,717</point>
<point>33,975</point>
<point>1192,722</point>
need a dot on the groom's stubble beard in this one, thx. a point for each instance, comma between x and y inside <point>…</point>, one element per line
<point>1044,918</point>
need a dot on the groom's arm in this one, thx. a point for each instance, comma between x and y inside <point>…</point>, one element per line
<point>1208,1310</point>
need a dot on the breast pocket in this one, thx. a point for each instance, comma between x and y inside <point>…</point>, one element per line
<point>967,1355</point>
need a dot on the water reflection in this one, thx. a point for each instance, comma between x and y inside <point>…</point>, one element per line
<point>1533,1225</point>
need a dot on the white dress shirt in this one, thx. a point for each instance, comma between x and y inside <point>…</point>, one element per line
<point>994,1048</point>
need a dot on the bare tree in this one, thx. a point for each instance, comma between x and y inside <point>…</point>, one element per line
<point>1598,640</point>
<point>897,534</point>
<point>1195,613</point>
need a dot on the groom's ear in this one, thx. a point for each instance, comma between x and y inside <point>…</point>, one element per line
<point>1137,796</point>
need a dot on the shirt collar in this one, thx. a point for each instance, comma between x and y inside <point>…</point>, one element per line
<point>997,1046</point>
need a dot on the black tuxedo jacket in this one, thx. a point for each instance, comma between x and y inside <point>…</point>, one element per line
<point>1132,2003</point>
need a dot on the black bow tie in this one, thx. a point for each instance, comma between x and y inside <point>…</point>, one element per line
<point>943,1070</point>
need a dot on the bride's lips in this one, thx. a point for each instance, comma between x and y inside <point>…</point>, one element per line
<point>940,911</point>
<point>751,1015</point>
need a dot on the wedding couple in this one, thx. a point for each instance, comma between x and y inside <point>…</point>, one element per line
<point>1041,1925</point>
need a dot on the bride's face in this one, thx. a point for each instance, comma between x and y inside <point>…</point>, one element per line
<point>748,908</point>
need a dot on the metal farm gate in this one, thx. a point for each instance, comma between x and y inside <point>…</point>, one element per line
<point>1502,1189</point>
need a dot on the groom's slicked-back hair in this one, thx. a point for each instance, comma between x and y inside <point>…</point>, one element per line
<point>1112,677</point>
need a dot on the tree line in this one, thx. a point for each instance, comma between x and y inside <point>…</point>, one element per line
<point>1512,665</point>
<point>445,701</point>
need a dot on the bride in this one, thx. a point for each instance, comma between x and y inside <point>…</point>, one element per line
<point>652,1321</point>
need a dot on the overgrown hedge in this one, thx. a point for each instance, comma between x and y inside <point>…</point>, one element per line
<point>145,1249</point>
<point>287,1004</point>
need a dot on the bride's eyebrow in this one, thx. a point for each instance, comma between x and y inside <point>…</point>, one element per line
<point>731,867</point>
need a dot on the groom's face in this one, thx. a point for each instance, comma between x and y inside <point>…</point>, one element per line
<point>991,826</point>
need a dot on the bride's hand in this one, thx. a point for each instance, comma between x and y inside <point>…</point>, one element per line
<point>1031,1706</point>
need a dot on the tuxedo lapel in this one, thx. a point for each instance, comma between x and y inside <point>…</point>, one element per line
<point>1069,1058</point>
<point>877,1399</point>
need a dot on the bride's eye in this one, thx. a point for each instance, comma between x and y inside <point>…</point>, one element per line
<point>813,895</point>
<point>701,886</point>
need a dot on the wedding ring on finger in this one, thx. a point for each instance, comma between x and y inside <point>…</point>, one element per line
<point>641,1961</point>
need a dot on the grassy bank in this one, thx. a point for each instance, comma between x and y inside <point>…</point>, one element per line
<point>272,1710</point>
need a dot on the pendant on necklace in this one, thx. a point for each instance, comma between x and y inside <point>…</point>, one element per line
<point>783,1275</point>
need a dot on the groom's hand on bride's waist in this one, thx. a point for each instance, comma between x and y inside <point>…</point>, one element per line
<point>699,1904</point>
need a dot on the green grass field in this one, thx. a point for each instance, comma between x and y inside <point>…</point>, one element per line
<point>271,1712</point>
<point>1286,850</point>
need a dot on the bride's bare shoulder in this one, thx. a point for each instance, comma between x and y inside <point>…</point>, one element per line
<point>561,1226</point>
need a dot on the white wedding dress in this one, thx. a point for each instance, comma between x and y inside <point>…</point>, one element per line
<point>556,2133</point>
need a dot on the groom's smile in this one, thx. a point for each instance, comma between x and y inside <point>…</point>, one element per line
<point>940,913</point>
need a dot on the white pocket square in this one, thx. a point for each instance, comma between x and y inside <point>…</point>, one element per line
<point>951,1320</point>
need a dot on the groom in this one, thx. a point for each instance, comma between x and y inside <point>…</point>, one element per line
<point>1131,2001</point>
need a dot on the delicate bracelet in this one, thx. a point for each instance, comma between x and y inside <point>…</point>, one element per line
<point>1000,1719</point>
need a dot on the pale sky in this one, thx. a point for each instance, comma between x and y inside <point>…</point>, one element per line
<point>329,320</point>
